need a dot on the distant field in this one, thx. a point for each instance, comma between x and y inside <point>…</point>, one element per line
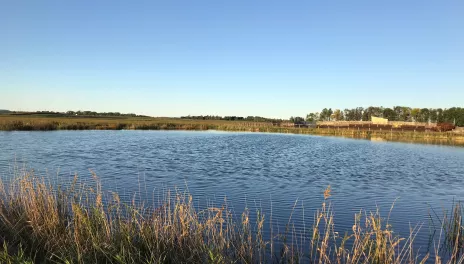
<point>9,122</point>
<point>52,122</point>
<point>51,117</point>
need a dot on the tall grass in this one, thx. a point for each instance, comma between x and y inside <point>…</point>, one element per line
<point>31,123</point>
<point>44,223</point>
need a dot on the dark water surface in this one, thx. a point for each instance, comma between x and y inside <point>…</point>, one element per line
<point>255,169</point>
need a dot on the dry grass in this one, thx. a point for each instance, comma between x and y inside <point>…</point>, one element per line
<point>40,123</point>
<point>80,224</point>
<point>31,122</point>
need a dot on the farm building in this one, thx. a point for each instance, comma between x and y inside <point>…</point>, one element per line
<point>379,120</point>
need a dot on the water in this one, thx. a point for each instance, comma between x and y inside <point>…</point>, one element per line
<point>255,170</point>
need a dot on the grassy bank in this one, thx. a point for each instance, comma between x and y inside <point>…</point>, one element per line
<point>41,223</point>
<point>39,123</point>
<point>439,138</point>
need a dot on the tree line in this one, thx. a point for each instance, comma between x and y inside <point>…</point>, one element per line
<point>93,113</point>
<point>233,118</point>
<point>453,115</point>
<point>75,113</point>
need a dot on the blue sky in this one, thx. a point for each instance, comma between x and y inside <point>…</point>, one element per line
<point>267,58</point>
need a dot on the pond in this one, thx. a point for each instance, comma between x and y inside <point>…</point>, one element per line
<point>276,173</point>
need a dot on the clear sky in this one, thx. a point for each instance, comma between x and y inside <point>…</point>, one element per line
<point>267,58</point>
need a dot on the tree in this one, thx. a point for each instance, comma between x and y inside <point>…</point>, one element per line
<point>454,115</point>
<point>415,114</point>
<point>407,113</point>
<point>311,117</point>
<point>424,115</point>
<point>403,113</point>
<point>367,114</point>
<point>389,114</point>
<point>358,113</point>
<point>298,120</point>
<point>440,117</point>
<point>375,111</point>
<point>337,115</point>
<point>433,115</point>
<point>349,114</point>
<point>324,115</point>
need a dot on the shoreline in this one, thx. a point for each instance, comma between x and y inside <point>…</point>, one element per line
<point>10,123</point>
<point>434,138</point>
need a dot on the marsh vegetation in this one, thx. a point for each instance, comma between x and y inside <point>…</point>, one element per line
<point>47,123</point>
<point>78,223</point>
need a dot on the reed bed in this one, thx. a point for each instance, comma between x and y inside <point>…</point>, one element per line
<point>26,123</point>
<point>44,223</point>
